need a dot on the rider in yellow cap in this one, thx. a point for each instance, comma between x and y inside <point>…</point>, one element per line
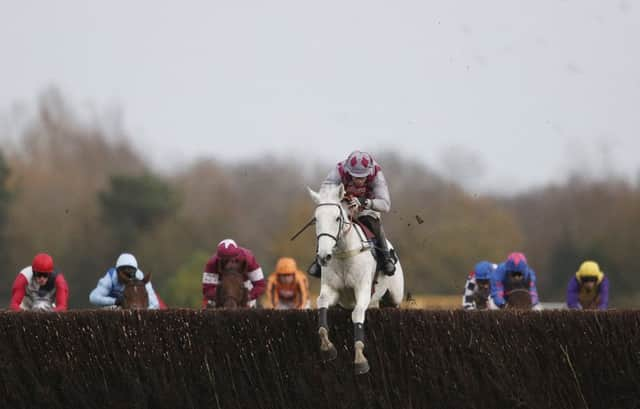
<point>288,287</point>
<point>589,288</point>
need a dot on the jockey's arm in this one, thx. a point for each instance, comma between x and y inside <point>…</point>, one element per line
<point>209,285</point>
<point>603,295</point>
<point>533,290</point>
<point>381,201</point>
<point>18,291</point>
<point>333,178</point>
<point>154,304</point>
<point>62,293</point>
<point>100,295</point>
<point>467,297</point>
<point>257,280</point>
<point>573,290</point>
<point>497,288</point>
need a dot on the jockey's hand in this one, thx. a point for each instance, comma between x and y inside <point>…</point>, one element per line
<point>365,203</point>
<point>211,304</point>
<point>501,306</point>
<point>119,301</point>
<point>354,203</point>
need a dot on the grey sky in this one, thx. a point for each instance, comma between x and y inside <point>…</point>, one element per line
<point>494,93</point>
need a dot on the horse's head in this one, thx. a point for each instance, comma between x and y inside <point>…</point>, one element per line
<point>231,292</point>
<point>330,218</point>
<point>518,299</point>
<point>135,293</point>
<point>481,296</point>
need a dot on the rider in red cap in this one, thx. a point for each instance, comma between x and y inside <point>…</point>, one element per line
<point>368,194</point>
<point>39,287</point>
<point>228,253</point>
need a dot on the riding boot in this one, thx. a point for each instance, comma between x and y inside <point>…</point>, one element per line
<point>314,269</point>
<point>386,261</point>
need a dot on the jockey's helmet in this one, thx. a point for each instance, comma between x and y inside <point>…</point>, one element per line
<point>286,265</point>
<point>42,263</point>
<point>516,263</point>
<point>228,249</point>
<point>483,270</point>
<point>359,164</point>
<point>126,265</point>
<point>589,271</point>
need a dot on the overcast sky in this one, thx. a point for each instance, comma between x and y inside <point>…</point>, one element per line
<point>494,93</point>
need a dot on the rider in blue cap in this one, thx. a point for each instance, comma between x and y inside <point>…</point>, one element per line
<point>477,289</point>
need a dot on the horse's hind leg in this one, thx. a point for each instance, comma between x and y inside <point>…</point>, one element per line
<point>328,296</point>
<point>363,297</point>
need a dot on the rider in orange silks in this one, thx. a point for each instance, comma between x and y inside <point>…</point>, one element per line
<point>288,287</point>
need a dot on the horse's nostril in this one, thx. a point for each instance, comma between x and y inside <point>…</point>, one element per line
<point>328,257</point>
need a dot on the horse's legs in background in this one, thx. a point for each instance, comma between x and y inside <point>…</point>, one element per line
<point>328,296</point>
<point>363,297</point>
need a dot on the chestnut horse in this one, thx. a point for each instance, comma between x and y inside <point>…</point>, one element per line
<point>135,293</point>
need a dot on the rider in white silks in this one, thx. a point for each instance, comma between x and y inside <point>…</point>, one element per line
<point>366,189</point>
<point>348,263</point>
<point>110,289</point>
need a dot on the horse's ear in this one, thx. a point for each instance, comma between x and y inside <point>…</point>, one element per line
<point>341,192</point>
<point>314,195</point>
<point>147,278</point>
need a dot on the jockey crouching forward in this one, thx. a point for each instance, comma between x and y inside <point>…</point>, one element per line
<point>288,287</point>
<point>39,287</point>
<point>110,289</point>
<point>514,274</point>
<point>589,288</point>
<point>477,289</point>
<point>367,190</point>
<point>229,254</point>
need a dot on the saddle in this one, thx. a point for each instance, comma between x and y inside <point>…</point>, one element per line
<point>370,240</point>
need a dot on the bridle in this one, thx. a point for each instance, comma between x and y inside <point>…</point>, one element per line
<point>341,223</point>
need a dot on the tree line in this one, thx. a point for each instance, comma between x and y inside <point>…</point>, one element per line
<point>80,191</point>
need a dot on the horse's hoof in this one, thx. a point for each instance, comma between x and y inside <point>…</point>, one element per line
<point>329,354</point>
<point>361,368</point>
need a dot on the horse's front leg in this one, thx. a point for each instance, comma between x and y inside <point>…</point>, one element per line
<point>363,297</point>
<point>328,296</point>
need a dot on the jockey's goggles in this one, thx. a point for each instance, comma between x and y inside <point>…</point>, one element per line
<point>589,279</point>
<point>128,271</point>
<point>39,274</point>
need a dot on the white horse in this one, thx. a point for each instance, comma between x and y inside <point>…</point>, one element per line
<point>347,263</point>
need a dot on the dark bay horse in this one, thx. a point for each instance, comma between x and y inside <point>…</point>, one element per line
<point>135,293</point>
<point>518,299</point>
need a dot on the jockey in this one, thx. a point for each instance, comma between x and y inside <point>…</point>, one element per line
<point>367,190</point>
<point>589,288</point>
<point>40,287</point>
<point>478,286</point>
<point>288,287</point>
<point>110,289</point>
<point>512,274</point>
<point>229,252</point>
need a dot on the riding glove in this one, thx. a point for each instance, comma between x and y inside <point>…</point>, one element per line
<point>365,203</point>
<point>119,301</point>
